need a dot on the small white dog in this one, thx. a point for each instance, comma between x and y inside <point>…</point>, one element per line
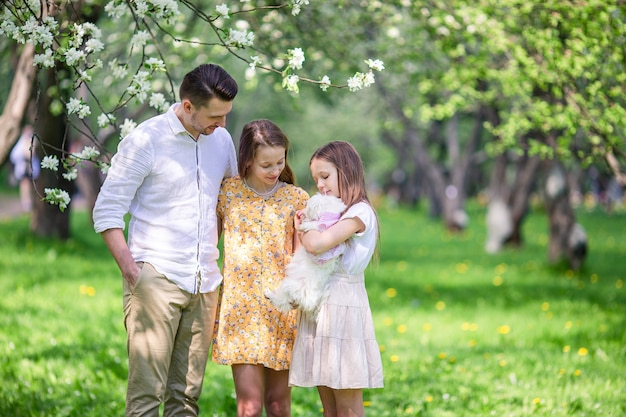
<point>307,275</point>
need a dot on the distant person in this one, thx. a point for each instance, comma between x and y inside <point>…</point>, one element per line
<point>338,352</point>
<point>167,174</point>
<point>26,166</point>
<point>256,210</point>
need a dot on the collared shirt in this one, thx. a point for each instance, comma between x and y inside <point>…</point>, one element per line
<point>169,183</point>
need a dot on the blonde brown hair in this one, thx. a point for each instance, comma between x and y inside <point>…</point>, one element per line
<point>351,177</point>
<point>349,170</point>
<point>258,133</point>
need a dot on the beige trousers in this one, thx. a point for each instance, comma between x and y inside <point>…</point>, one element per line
<point>169,333</point>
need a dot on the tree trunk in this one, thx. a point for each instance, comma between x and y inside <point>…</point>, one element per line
<point>48,220</point>
<point>567,239</point>
<point>19,96</point>
<point>519,196</point>
<point>508,204</point>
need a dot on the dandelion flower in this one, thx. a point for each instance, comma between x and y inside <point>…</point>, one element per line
<point>391,292</point>
<point>545,306</point>
<point>497,281</point>
<point>504,329</point>
<point>583,351</point>
<point>566,348</point>
<point>501,268</point>
<point>440,305</point>
<point>402,328</point>
<point>402,266</point>
<point>394,358</point>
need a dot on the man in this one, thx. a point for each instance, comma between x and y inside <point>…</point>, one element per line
<point>167,174</point>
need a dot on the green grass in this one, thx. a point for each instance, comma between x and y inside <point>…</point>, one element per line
<point>462,333</point>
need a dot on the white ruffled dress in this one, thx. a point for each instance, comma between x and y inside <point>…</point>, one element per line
<point>340,349</point>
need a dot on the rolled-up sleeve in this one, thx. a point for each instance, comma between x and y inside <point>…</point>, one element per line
<point>129,167</point>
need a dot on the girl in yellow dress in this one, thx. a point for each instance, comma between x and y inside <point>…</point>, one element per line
<point>256,213</point>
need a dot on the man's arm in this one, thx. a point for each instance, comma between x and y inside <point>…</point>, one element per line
<point>116,242</point>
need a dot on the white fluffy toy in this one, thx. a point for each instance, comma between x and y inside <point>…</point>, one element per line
<point>307,275</point>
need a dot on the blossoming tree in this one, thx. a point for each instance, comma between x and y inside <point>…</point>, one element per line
<point>93,80</point>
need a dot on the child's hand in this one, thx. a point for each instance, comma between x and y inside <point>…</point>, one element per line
<point>297,219</point>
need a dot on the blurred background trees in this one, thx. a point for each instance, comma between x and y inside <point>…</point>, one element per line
<point>500,100</point>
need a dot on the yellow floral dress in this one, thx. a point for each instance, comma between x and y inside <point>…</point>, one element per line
<point>258,243</point>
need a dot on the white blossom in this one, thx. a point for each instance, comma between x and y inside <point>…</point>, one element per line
<point>84,76</point>
<point>88,153</point>
<point>157,101</point>
<point>127,127</point>
<point>141,8</point>
<point>77,106</point>
<point>56,196</point>
<point>290,83</point>
<point>166,9</point>
<point>296,58</point>
<point>105,119</point>
<point>155,64</point>
<point>443,31</point>
<point>256,61</point>
<point>94,45</point>
<point>84,31</point>
<point>115,11</point>
<point>140,39</point>
<point>368,79</point>
<point>140,86</point>
<point>355,83</point>
<point>71,174</point>
<point>375,64</point>
<point>296,6</point>
<point>6,24</point>
<point>104,167</point>
<point>118,70</point>
<point>240,38</point>
<point>50,162</point>
<point>29,25</point>
<point>45,60</point>
<point>361,80</point>
<point>222,10</point>
<point>73,56</point>
<point>41,34</point>
<point>325,83</point>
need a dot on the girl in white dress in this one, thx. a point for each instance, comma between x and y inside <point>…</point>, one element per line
<point>338,353</point>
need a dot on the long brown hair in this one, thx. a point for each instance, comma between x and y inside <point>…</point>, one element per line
<point>351,177</point>
<point>349,169</point>
<point>258,133</point>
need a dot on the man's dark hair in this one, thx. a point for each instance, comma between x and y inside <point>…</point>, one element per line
<point>206,82</point>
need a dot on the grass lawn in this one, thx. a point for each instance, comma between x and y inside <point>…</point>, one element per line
<point>462,333</point>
